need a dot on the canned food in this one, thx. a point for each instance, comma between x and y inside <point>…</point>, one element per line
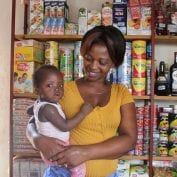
<point>51,50</point>
<point>138,86</point>
<point>139,49</point>
<point>66,63</point>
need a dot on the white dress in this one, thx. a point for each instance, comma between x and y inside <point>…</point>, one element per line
<point>47,128</point>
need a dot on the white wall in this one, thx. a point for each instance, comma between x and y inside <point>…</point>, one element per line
<point>5,37</point>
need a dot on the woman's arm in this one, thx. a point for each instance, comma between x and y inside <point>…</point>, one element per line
<point>46,145</point>
<point>112,148</point>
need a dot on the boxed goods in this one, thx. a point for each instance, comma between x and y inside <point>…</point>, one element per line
<point>139,24</point>
<point>28,54</point>
<point>94,19</point>
<point>138,171</point>
<point>36,17</point>
<point>23,72</point>
<point>120,15</point>
<point>55,15</point>
<point>29,43</point>
<point>106,13</point>
<point>82,21</point>
<point>123,168</point>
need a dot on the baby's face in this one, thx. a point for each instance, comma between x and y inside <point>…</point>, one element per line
<point>51,89</point>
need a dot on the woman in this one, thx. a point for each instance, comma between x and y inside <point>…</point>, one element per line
<point>109,131</point>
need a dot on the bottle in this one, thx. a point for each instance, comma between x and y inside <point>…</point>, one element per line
<point>171,17</point>
<point>161,25</point>
<point>173,76</point>
<point>161,84</point>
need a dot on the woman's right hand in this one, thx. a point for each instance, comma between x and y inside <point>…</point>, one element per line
<point>49,146</point>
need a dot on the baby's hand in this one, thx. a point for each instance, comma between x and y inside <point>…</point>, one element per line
<point>86,108</point>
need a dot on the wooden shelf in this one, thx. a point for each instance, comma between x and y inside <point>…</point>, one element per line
<point>24,155</point>
<point>24,95</point>
<point>165,158</point>
<point>166,98</point>
<point>37,155</point>
<point>133,157</point>
<point>42,37</point>
<point>141,97</point>
<point>132,37</point>
<point>166,38</point>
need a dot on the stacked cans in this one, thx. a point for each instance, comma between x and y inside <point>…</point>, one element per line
<point>125,71</point>
<point>138,67</point>
<point>146,130</point>
<point>140,122</point>
<point>66,63</point>
<point>163,127</point>
<point>51,53</point>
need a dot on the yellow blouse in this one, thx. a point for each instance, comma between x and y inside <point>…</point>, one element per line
<point>102,123</point>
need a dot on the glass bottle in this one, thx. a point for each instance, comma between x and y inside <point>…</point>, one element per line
<point>162,87</point>
<point>161,25</point>
<point>173,76</point>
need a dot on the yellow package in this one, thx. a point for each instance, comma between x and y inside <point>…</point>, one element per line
<point>28,54</point>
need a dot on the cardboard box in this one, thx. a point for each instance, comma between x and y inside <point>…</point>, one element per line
<point>29,43</point>
<point>82,21</point>
<point>120,16</point>
<point>23,72</point>
<point>93,19</point>
<point>139,26</point>
<point>28,54</point>
<point>36,17</point>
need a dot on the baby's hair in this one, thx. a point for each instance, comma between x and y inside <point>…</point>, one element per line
<point>40,75</point>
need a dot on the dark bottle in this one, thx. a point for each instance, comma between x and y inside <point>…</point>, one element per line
<point>173,76</point>
<point>161,24</point>
<point>162,87</point>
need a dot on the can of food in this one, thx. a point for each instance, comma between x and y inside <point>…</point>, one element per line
<point>78,61</point>
<point>138,86</point>
<point>51,50</point>
<point>173,149</point>
<point>66,63</point>
<point>139,49</point>
<point>172,135</point>
<point>162,149</point>
<point>138,68</point>
<point>52,62</point>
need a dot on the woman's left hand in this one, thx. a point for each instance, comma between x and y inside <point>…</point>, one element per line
<point>72,156</point>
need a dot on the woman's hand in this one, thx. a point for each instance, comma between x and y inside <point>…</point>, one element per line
<point>72,156</point>
<point>49,146</point>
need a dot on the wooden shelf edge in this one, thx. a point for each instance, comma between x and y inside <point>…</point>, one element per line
<point>24,95</point>
<point>165,158</point>
<point>167,98</point>
<point>43,37</point>
<point>25,155</point>
<point>133,157</point>
<point>141,97</point>
<point>166,38</point>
